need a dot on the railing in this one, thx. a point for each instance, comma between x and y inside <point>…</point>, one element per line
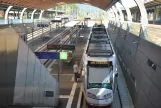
<point>124,25</point>
<point>31,30</point>
<point>153,31</point>
<point>135,28</point>
<point>154,34</point>
<point>18,21</point>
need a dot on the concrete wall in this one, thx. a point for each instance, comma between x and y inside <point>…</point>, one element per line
<point>141,64</point>
<point>23,79</point>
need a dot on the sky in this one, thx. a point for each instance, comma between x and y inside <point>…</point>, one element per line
<point>87,7</point>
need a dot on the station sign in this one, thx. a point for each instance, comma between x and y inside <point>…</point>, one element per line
<point>63,55</point>
<point>61,46</point>
<point>47,55</point>
<point>42,25</point>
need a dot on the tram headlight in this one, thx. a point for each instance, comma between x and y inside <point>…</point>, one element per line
<point>91,95</point>
<point>108,81</point>
<point>109,95</point>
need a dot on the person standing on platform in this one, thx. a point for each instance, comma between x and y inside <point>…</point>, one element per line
<point>75,70</point>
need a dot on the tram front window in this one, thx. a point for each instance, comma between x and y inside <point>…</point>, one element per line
<point>99,85</point>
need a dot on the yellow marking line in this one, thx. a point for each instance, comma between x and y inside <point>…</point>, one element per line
<point>62,74</point>
<point>70,100</point>
<point>64,96</point>
<point>80,97</point>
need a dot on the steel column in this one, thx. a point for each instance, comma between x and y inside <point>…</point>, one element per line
<point>6,14</point>
<point>116,14</point>
<point>129,17</point>
<point>21,16</point>
<point>109,13</point>
<point>144,18</point>
<point>40,16</point>
<point>121,14</point>
<point>32,15</point>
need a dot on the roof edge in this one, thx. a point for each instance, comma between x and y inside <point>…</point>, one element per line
<point>111,4</point>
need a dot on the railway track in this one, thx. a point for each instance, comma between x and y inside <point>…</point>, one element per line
<point>63,38</point>
<point>26,29</point>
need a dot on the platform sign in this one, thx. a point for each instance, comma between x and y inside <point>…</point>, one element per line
<point>63,55</point>
<point>59,46</point>
<point>47,55</point>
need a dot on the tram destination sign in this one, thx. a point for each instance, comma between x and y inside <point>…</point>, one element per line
<point>99,63</point>
<point>95,62</point>
<point>61,46</point>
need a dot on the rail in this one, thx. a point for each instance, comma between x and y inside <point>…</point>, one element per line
<point>56,39</point>
<point>27,29</point>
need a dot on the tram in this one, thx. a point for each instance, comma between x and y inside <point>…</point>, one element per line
<point>99,69</point>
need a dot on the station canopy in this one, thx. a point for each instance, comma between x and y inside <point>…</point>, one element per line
<point>46,4</point>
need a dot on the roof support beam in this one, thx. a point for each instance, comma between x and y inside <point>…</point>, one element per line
<point>116,14</point>
<point>113,14</point>
<point>129,16</point>
<point>121,14</point>
<point>40,16</point>
<point>110,14</point>
<point>21,16</point>
<point>6,14</point>
<point>144,18</point>
<point>32,15</point>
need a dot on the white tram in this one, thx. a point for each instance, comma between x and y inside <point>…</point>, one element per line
<point>99,69</point>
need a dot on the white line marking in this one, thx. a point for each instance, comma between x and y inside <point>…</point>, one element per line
<point>80,97</point>
<point>72,79</point>
<point>64,96</point>
<point>49,69</point>
<point>62,74</point>
<point>70,100</point>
